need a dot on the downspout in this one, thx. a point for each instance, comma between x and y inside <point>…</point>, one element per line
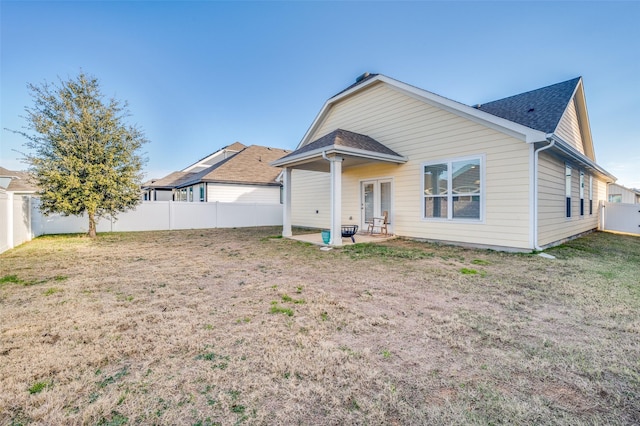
<point>535,193</point>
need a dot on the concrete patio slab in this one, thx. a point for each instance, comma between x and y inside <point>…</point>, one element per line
<point>316,238</point>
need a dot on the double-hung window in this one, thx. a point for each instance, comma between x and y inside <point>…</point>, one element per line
<point>452,190</point>
<point>581,193</point>
<point>567,188</point>
<point>590,194</point>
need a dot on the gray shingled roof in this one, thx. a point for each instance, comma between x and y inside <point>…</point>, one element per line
<point>20,181</point>
<point>249,166</point>
<point>345,139</point>
<point>539,109</point>
<point>361,79</point>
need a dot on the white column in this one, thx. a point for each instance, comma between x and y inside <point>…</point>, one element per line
<point>286,203</point>
<point>336,201</point>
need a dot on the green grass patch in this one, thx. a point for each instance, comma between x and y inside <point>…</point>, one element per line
<point>275,309</point>
<point>289,299</point>
<point>374,250</point>
<point>52,290</point>
<point>38,387</point>
<point>114,378</point>
<point>10,279</point>
<point>467,271</point>
<point>480,262</point>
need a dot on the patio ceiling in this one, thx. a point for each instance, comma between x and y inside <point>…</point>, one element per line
<point>354,148</point>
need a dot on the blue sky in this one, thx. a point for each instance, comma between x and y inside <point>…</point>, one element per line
<point>202,75</point>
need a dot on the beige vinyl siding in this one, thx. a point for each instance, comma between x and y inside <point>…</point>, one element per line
<point>628,196</point>
<point>569,127</point>
<point>425,133</point>
<point>553,225</point>
<point>228,193</point>
<point>310,192</point>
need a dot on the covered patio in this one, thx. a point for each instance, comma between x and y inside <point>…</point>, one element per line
<point>332,153</point>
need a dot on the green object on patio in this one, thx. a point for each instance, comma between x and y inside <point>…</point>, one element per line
<point>326,236</point>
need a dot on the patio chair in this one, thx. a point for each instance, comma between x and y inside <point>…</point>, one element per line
<point>380,224</point>
<point>348,231</point>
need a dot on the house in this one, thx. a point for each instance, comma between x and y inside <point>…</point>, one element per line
<point>16,192</point>
<point>622,194</point>
<point>515,174</point>
<point>17,182</point>
<point>236,173</point>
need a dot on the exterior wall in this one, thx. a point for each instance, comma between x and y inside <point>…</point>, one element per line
<point>227,193</point>
<point>569,127</point>
<point>626,196</point>
<point>310,199</point>
<point>163,195</point>
<point>425,133</point>
<point>553,225</point>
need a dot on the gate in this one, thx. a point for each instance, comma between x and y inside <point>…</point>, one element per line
<point>621,217</point>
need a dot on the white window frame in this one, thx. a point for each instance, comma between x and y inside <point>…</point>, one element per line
<point>581,192</point>
<point>590,195</point>
<point>449,162</point>
<point>568,191</point>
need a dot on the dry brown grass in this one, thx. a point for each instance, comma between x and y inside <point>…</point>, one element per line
<point>192,327</point>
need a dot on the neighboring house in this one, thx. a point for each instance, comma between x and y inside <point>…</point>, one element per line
<point>621,194</point>
<point>17,182</point>
<point>237,173</point>
<point>517,174</point>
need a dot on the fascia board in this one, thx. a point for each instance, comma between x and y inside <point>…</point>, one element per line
<point>574,154</point>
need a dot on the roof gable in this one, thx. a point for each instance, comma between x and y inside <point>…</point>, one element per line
<point>539,109</point>
<point>495,122</point>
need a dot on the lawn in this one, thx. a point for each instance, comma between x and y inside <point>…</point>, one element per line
<point>235,326</point>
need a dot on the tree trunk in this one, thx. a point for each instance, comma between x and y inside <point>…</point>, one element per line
<point>92,225</point>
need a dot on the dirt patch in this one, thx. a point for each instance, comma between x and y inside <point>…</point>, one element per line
<point>234,326</point>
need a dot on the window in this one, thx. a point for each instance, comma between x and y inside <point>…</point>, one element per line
<point>615,198</point>
<point>452,190</point>
<point>202,192</point>
<point>581,193</point>
<point>567,188</point>
<point>590,195</point>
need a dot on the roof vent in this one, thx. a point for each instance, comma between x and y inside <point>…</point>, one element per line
<point>362,77</point>
<point>531,109</point>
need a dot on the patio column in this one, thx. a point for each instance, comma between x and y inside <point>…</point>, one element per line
<point>286,203</point>
<point>336,201</point>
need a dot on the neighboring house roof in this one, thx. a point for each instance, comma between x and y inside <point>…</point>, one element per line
<point>213,158</point>
<point>539,109</point>
<point>18,181</point>
<point>249,166</point>
<point>170,181</point>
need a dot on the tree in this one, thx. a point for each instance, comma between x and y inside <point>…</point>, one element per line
<point>84,156</point>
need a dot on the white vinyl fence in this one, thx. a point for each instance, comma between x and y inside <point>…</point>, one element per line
<point>26,221</point>
<point>621,217</point>
<point>15,220</point>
